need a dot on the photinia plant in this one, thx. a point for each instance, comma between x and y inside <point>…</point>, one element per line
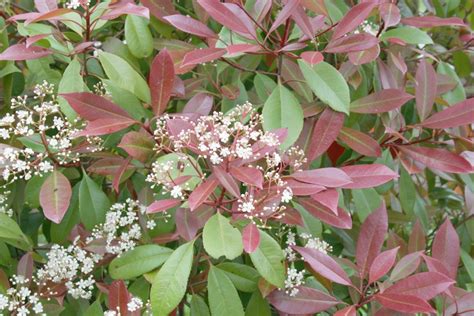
<point>257,157</point>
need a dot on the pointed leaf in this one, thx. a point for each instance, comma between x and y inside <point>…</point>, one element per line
<point>190,25</point>
<point>404,303</point>
<point>425,88</point>
<point>341,220</point>
<point>118,296</point>
<point>406,266</point>
<point>21,52</point>
<point>328,198</point>
<point>356,15</point>
<point>437,158</point>
<point>368,176</point>
<point>201,193</point>
<point>328,85</point>
<point>312,58</point>
<point>424,285</point>
<point>284,14</point>
<point>446,247</point>
<point>325,132</point>
<point>328,177</point>
<point>382,264</point>
<point>390,14</point>
<point>202,55</point>
<point>459,114</point>
<point>104,127</point>
<point>223,297</point>
<point>162,205</point>
<point>227,181</point>
<point>348,311</point>
<point>324,265</point>
<point>306,301</point>
<point>352,43</point>
<point>371,238</point>
<point>381,101</point>
<point>248,175</point>
<point>250,237</point>
<point>161,81</point>
<point>432,21</point>
<point>55,196</point>
<point>224,16</point>
<point>360,142</point>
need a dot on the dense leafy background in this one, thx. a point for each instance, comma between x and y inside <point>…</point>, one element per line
<point>378,95</point>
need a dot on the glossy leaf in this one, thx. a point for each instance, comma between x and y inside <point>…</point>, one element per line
<point>424,285</point>
<point>341,220</point>
<point>55,196</point>
<point>328,177</point>
<point>250,237</point>
<point>360,142</point>
<point>223,297</point>
<point>381,101</point>
<point>325,132</point>
<point>356,15</point>
<point>461,113</point>
<point>93,203</point>
<point>248,175</point>
<point>382,264</point>
<point>220,238</point>
<point>404,303</point>
<point>162,205</point>
<point>21,52</point>
<point>161,81</point>
<point>446,247</point>
<point>425,88</point>
<point>367,176</point>
<point>190,25</point>
<point>306,301</point>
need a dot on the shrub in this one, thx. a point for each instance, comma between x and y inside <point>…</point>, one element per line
<point>292,157</point>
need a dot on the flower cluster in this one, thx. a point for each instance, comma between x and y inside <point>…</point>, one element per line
<point>224,141</point>
<point>4,207</point>
<point>75,4</point>
<point>295,278</point>
<point>134,304</point>
<point>19,299</point>
<point>39,121</point>
<point>121,230</point>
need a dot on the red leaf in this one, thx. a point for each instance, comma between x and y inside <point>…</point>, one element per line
<point>425,88</point>
<point>118,296</point>
<point>56,14</point>
<point>190,25</point>
<point>386,76</point>
<point>55,196</point>
<point>292,217</point>
<point>417,241</point>
<point>360,142</point>
<point>406,266</point>
<point>104,127</point>
<point>284,14</point>
<point>371,238</point>
<point>25,266</point>
<point>325,132</point>
<point>162,205</point>
<point>250,238</point>
<point>242,48</point>
<point>348,311</point>
<point>126,8</point>
<point>92,107</point>
<point>382,264</point>
<point>352,43</point>
<point>341,220</point>
<point>446,247</point>
<point>434,265</point>
<point>202,55</point>
<point>159,8</point>
<point>161,81</point>
<point>306,301</point>
<point>138,145</point>
<point>201,193</point>
<point>46,5</point>
<point>35,38</point>
<point>461,113</point>
<point>356,15</point>
<point>432,21</point>
<point>404,303</point>
<point>324,265</point>
<point>437,158</point>
<point>381,101</point>
<point>365,56</point>
<point>328,177</point>
<point>312,58</point>
<point>368,176</point>
<point>21,52</point>
<point>424,285</point>
<point>119,174</point>
<point>224,16</point>
<point>462,306</point>
<point>200,103</point>
<point>106,166</point>
<point>303,21</point>
<point>248,175</point>
<point>302,188</point>
<point>227,181</point>
<point>390,14</point>
<point>328,198</point>
<point>189,223</point>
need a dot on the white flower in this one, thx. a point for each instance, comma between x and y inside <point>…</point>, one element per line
<point>287,195</point>
<point>177,192</point>
<point>135,304</point>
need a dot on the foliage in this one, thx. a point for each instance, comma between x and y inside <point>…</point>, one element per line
<point>242,157</point>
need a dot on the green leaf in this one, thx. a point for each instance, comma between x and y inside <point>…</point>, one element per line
<point>282,110</point>
<point>11,233</point>
<point>138,36</point>
<point>95,309</point>
<point>267,259</point>
<point>328,85</point>
<point>199,306</point>
<point>140,260</point>
<point>408,34</point>
<point>468,262</point>
<point>127,101</point>
<point>366,201</point>
<point>220,238</point>
<point>245,278</point>
<point>33,187</point>
<point>223,297</point>
<point>257,306</point>
<point>93,203</point>
<point>264,86</point>
<point>70,82</point>
<point>124,76</point>
<point>170,283</point>
<point>407,192</point>
<point>457,94</point>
